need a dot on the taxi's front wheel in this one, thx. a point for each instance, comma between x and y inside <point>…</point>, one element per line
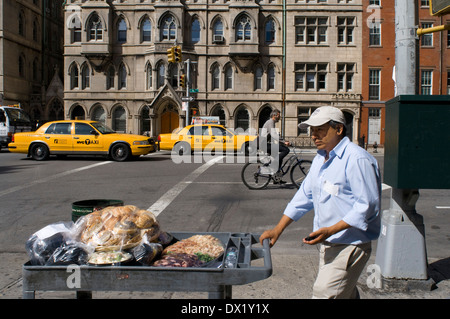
<point>120,152</point>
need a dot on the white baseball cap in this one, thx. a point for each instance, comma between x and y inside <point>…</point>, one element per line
<point>323,115</point>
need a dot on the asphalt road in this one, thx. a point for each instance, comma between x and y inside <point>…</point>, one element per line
<point>194,197</point>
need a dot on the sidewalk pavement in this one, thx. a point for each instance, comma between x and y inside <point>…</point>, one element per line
<point>294,272</point>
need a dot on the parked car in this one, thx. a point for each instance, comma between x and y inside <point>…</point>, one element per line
<point>210,137</point>
<point>76,137</point>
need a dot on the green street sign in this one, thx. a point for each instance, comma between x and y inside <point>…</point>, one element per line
<point>193,90</point>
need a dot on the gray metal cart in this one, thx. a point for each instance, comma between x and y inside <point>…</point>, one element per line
<point>214,279</point>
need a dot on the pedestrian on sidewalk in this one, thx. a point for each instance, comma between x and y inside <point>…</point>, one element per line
<point>343,187</point>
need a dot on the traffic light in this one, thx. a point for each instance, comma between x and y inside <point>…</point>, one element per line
<point>171,55</point>
<point>439,7</point>
<point>177,52</point>
<point>183,80</point>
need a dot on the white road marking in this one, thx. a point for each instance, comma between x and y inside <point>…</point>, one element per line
<point>443,207</point>
<point>49,178</point>
<point>165,200</point>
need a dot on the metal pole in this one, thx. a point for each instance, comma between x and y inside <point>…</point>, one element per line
<point>405,46</point>
<point>401,251</point>
<point>188,79</point>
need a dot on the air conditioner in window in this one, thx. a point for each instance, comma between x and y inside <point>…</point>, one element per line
<point>218,38</point>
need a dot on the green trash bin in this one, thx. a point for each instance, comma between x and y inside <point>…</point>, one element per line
<point>85,207</point>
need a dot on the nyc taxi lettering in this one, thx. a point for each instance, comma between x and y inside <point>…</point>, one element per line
<point>59,141</point>
<point>87,142</point>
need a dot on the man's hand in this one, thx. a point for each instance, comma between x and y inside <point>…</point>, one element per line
<point>323,233</point>
<point>274,234</point>
<point>271,234</point>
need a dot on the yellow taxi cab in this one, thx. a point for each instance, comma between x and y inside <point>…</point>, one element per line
<point>79,137</point>
<point>206,137</point>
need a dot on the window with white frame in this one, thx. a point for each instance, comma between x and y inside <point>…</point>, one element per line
<point>345,73</point>
<point>311,30</point>
<point>271,77</point>
<point>374,84</point>
<point>85,77</point>
<point>427,38</point>
<point>375,34</point>
<point>95,29</point>
<point>146,30</point>
<point>215,76</point>
<point>310,76</point>
<point>168,29</point>
<point>346,26</point>
<point>228,77</point>
<point>243,29</point>
<point>426,81</point>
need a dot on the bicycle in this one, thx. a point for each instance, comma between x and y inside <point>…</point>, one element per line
<point>258,174</point>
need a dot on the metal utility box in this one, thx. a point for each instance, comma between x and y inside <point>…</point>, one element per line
<point>417,142</point>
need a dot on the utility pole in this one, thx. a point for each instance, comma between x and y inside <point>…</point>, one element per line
<point>401,250</point>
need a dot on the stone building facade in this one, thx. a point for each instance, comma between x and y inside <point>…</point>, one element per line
<point>31,57</point>
<point>246,58</point>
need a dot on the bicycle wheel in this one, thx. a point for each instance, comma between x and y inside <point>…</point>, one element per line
<point>299,171</point>
<point>253,175</point>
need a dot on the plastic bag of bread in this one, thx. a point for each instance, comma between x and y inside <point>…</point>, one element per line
<point>118,228</point>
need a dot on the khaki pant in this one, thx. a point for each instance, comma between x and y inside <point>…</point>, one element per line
<point>339,269</point>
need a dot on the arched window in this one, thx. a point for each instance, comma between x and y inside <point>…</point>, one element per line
<point>122,31</point>
<point>242,118</point>
<point>218,31</point>
<point>122,77</point>
<point>168,29</point>
<point>85,77</point>
<point>35,30</point>
<point>21,66</point>
<point>173,75</point>
<point>145,120</point>
<point>195,31</point>
<point>271,78</point>
<point>74,76</point>
<point>95,29</point>
<point>21,24</point>
<point>119,120</point>
<point>161,75</point>
<point>218,111</point>
<point>270,31</point>
<point>149,76</point>
<point>243,29</point>
<point>228,77</point>
<point>110,75</point>
<point>258,77</point>
<point>35,70</point>
<point>146,30</point>
<point>99,114</point>
<point>215,78</point>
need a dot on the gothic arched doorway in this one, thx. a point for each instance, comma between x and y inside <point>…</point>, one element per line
<point>78,113</point>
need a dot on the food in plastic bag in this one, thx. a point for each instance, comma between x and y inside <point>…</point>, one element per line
<point>206,247</point>
<point>165,238</point>
<point>145,253</point>
<point>69,253</point>
<point>43,243</point>
<point>178,260</point>
<point>118,228</point>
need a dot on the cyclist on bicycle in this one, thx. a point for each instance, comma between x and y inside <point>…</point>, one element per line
<point>269,136</point>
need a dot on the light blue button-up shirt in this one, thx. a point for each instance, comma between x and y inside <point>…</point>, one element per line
<point>345,187</point>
